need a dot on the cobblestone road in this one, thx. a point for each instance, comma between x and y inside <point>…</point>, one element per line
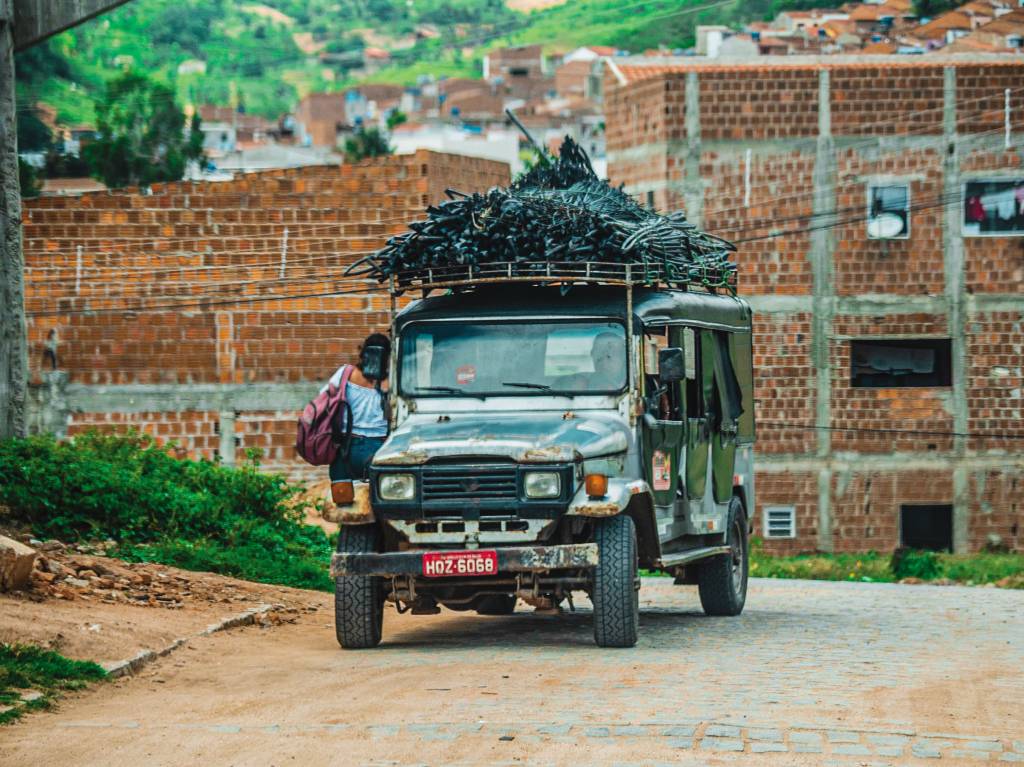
<point>811,673</point>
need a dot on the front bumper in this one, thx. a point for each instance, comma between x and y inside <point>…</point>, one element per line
<point>518,559</point>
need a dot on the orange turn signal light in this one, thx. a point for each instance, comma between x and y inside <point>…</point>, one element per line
<point>342,493</point>
<point>597,485</point>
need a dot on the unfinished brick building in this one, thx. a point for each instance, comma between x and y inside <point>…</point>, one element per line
<point>879,207</point>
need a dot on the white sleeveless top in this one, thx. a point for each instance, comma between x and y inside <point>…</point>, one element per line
<point>367,407</point>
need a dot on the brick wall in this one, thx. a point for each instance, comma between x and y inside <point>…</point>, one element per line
<point>784,383</point>
<point>886,121</point>
<point>865,505</point>
<point>183,285</point>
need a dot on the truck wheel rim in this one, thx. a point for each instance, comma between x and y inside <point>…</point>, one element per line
<point>736,555</point>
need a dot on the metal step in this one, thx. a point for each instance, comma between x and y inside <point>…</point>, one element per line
<point>685,557</point>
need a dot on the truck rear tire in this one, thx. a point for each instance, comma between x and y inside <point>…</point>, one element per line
<point>497,604</point>
<point>615,595</point>
<point>358,599</point>
<point>722,580</point>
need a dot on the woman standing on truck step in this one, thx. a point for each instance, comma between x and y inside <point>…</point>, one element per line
<point>365,395</point>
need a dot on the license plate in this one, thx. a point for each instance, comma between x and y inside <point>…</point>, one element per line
<point>447,564</point>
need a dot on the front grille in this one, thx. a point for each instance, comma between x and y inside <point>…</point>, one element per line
<point>467,483</point>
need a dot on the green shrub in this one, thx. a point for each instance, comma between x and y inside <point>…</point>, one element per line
<point>193,514</point>
<point>910,563</point>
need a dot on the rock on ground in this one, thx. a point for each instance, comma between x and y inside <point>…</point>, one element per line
<point>16,561</point>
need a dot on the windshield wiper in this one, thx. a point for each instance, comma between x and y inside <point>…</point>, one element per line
<point>451,390</point>
<point>522,385</point>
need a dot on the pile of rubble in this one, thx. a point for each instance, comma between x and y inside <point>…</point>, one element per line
<point>70,572</point>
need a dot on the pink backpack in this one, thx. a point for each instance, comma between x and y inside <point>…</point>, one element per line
<point>319,435</point>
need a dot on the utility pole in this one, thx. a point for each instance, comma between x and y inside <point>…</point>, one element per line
<point>23,23</point>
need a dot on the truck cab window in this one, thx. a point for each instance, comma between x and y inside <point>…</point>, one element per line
<point>664,401</point>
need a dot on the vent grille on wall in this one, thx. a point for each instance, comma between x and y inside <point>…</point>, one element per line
<point>779,522</point>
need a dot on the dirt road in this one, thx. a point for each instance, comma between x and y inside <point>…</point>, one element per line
<point>811,673</point>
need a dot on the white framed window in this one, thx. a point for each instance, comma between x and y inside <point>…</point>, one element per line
<point>780,522</point>
<point>888,211</point>
<point>993,207</point>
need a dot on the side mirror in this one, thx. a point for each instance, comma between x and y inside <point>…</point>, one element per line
<point>671,365</point>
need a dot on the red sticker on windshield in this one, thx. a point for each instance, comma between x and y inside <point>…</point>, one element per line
<point>465,375</point>
<point>661,471</point>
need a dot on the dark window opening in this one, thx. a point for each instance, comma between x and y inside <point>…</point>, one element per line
<point>519,72</point>
<point>901,363</point>
<point>650,200</point>
<point>927,527</point>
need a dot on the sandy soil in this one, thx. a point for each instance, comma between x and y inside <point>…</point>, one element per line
<point>77,622</point>
<point>832,667</point>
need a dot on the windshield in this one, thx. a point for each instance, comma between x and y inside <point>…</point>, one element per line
<point>509,358</point>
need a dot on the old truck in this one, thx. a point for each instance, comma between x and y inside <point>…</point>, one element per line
<point>548,440</point>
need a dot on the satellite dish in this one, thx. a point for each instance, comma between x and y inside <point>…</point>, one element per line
<point>885,225</point>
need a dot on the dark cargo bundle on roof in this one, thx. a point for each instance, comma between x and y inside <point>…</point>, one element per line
<point>559,213</point>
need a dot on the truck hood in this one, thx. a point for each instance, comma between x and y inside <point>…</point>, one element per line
<point>525,437</point>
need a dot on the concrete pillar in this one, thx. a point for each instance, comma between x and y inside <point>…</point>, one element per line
<point>13,347</point>
<point>47,409</point>
<point>693,184</point>
<point>823,298</point>
<point>226,449</point>
<point>956,299</point>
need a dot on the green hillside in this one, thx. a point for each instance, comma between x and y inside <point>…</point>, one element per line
<point>265,55</point>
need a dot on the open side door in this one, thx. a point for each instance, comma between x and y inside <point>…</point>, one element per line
<point>728,407</point>
<point>663,420</point>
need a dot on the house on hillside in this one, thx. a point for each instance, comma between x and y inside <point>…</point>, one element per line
<point>1004,34</point>
<point>520,73</point>
<point>225,129</point>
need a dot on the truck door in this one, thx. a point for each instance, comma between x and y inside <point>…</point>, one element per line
<point>663,420</point>
<point>727,408</point>
<point>699,403</point>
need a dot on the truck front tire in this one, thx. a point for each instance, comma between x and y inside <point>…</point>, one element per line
<point>722,580</point>
<point>358,599</point>
<point>615,595</point>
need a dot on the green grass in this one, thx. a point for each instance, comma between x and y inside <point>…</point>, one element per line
<point>299,566</point>
<point>1004,569</point>
<point>24,668</point>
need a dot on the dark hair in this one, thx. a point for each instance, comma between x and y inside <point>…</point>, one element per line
<point>375,339</point>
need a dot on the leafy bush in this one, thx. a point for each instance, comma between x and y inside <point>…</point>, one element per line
<point>194,514</point>
<point>23,667</point>
<point>909,563</point>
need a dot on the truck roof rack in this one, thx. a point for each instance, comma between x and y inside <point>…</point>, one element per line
<point>566,273</point>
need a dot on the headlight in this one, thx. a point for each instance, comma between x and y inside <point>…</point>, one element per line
<point>397,487</point>
<point>542,484</point>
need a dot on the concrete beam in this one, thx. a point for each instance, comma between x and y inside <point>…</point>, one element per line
<point>146,398</point>
<point>36,20</point>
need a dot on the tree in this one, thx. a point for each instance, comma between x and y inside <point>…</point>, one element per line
<point>142,138</point>
<point>33,135</point>
<point>366,142</point>
<point>397,117</point>
<point>28,177</point>
<point>932,8</point>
